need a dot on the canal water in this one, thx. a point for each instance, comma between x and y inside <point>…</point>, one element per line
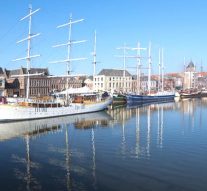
<point>155,147</point>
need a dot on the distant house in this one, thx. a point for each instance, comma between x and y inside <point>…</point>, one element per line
<point>201,80</point>
<point>89,82</point>
<point>113,80</point>
<point>144,83</point>
<point>174,81</point>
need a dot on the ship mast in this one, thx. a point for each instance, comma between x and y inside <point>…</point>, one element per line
<point>138,57</point>
<point>94,56</point>
<point>124,48</point>
<point>149,68</point>
<point>29,56</point>
<point>159,75</point>
<point>162,70</point>
<point>68,60</point>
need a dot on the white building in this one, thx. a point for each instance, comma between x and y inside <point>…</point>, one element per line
<point>190,76</point>
<point>113,80</point>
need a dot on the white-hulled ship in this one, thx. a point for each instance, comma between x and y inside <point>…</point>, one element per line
<point>69,104</point>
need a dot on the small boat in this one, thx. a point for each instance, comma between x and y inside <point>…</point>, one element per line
<point>191,93</point>
<point>119,98</point>
<point>203,93</point>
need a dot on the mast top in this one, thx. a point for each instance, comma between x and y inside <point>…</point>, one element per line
<point>69,45</point>
<point>30,14</point>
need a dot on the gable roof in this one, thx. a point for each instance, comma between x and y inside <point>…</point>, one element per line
<point>24,71</point>
<point>113,72</point>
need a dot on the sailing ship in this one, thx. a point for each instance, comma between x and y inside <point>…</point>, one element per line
<point>190,93</point>
<point>161,95</point>
<point>30,108</point>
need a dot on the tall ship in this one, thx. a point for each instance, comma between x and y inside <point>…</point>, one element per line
<point>69,102</point>
<point>160,95</point>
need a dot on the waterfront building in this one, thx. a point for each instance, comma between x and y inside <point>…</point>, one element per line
<point>144,83</point>
<point>190,76</point>
<point>16,82</point>
<point>13,83</point>
<point>173,81</point>
<point>113,80</point>
<point>201,80</point>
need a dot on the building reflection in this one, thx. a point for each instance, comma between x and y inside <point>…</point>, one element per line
<point>191,110</point>
<point>143,114</point>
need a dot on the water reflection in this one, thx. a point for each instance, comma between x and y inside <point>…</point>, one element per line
<point>144,120</point>
<point>126,145</point>
<point>42,126</point>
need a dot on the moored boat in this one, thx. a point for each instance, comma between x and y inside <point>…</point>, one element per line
<point>190,94</point>
<point>38,109</point>
<point>119,98</point>
<point>157,97</point>
<point>160,95</point>
<point>203,93</point>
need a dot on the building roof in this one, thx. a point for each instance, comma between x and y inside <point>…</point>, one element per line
<point>145,78</point>
<point>176,75</point>
<point>113,72</point>
<point>202,74</point>
<point>191,65</point>
<point>38,70</point>
<point>24,71</point>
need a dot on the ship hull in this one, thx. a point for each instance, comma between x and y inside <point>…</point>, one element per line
<point>149,98</point>
<point>18,113</point>
<point>190,95</point>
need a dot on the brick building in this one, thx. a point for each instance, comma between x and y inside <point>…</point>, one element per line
<point>14,82</point>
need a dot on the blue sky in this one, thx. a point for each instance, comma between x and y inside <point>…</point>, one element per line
<point>178,26</point>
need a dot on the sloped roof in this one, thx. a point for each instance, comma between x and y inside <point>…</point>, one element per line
<point>177,75</point>
<point>191,65</point>
<point>24,71</point>
<point>202,74</point>
<point>38,70</point>
<point>12,72</point>
<point>113,72</point>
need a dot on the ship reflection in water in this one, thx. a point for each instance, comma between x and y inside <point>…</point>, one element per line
<point>149,147</point>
